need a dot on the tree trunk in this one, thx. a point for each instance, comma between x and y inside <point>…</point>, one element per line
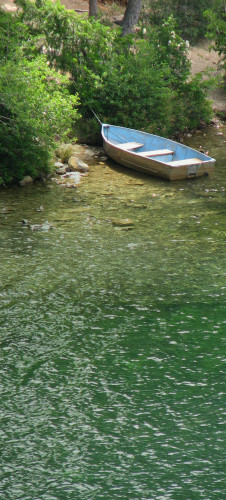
<point>131,16</point>
<point>93,9</point>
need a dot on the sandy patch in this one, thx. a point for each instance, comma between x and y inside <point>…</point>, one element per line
<point>202,59</point>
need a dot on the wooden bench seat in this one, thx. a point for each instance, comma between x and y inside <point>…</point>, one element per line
<point>181,163</point>
<point>156,152</point>
<point>130,145</point>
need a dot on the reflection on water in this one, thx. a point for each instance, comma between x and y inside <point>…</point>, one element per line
<point>112,337</point>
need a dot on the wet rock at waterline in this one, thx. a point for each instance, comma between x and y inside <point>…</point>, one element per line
<point>58,164</point>
<point>61,169</point>
<point>76,164</point>
<point>70,174</point>
<point>26,181</point>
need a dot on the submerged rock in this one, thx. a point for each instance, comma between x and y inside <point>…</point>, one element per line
<point>69,179</point>
<point>25,223</point>
<point>46,226</point>
<point>123,222</point>
<point>7,210</point>
<point>72,178</point>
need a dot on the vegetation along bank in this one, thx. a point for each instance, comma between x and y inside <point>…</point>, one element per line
<point>58,64</point>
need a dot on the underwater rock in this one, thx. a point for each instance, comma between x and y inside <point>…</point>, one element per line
<point>46,226</point>
<point>69,179</point>
<point>25,223</point>
<point>123,222</point>
<point>72,178</point>
<point>7,210</point>
<point>40,209</point>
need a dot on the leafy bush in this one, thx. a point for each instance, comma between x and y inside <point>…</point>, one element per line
<point>35,103</point>
<point>187,13</point>
<point>216,18</point>
<point>135,81</point>
<point>13,35</point>
<point>138,81</point>
<point>34,106</point>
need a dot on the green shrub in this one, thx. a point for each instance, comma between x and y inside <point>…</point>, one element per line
<point>34,106</point>
<point>13,36</point>
<point>138,81</point>
<point>216,18</point>
<point>135,81</point>
<point>187,13</point>
<point>35,103</point>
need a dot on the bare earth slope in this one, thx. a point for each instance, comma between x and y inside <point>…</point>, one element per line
<point>203,59</point>
<point>200,56</point>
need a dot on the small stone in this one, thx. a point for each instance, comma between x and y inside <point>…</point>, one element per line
<point>58,164</point>
<point>89,153</point>
<point>26,181</point>
<point>61,170</point>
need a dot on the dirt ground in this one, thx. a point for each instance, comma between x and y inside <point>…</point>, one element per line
<point>203,59</point>
<point>200,56</point>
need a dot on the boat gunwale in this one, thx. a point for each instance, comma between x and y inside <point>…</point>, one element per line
<point>183,146</point>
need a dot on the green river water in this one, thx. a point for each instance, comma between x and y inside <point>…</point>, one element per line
<point>113,338</point>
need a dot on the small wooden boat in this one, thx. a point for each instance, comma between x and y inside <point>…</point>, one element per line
<point>154,155</point>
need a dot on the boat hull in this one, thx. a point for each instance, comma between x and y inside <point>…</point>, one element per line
<point>173,164</point>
